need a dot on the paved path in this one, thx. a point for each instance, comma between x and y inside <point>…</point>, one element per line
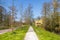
<point>31,35</point>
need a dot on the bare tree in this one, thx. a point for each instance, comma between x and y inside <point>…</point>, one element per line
<point>28,15</point>
<point>21,14</point>
<point>13,14</point>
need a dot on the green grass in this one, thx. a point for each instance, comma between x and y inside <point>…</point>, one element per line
<point>18,35</point>
<point>45,35</point>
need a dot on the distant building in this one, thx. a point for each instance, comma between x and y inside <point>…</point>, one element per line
<point>38,22</point>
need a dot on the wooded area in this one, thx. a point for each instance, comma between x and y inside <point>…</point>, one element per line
<point>51,16</point>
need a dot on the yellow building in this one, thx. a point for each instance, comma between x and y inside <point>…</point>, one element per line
<point>38,22</point>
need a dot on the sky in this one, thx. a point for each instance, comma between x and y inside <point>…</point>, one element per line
<point>36,5</point>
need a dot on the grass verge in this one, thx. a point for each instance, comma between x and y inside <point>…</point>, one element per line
<point>45,35</point>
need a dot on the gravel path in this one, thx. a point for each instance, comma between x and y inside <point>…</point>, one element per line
<point>4,31</point>
<point>31,35</point>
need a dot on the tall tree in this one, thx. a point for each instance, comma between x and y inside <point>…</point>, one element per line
<point>1,15</point>
<point>13,14</point>
<point>21,14</point>
<point>46,12</point>
<point>55,12</point>
<point>28,15</point>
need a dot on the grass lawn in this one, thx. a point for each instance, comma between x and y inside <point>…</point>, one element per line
<point>45,35</point>
<point>19,35</point>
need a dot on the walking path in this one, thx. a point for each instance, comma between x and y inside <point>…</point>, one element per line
<point>4,31</point>
<point>31,35</point>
